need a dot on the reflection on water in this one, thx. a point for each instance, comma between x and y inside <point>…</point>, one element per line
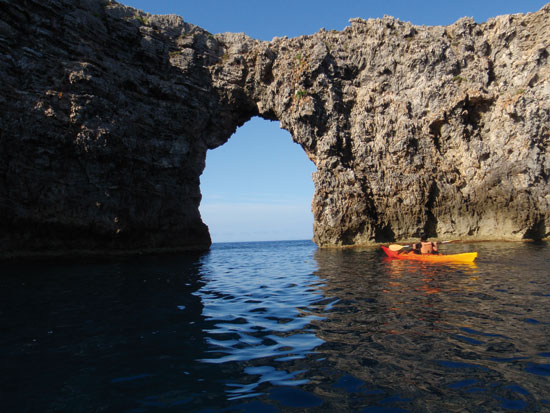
<point>443,336</point>
<point>265,319</point>
<point>280,326</point>
<point>356,331</point>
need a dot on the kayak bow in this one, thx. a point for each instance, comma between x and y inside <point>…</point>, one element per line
<point>465,257</point>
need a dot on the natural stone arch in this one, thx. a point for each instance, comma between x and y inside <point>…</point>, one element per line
<point>415,143</point>
<point>107,113</point>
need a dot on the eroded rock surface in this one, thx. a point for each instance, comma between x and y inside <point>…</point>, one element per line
<point>107,113</point>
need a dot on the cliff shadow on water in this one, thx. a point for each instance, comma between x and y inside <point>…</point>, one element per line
<point>104,336</point>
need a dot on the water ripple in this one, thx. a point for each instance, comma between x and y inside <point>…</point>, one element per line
<point>280,327</point>
<point>262,310</point>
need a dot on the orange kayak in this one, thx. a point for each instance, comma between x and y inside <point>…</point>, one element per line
<point>465,257</point>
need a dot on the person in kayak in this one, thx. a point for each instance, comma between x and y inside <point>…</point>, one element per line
<point>425,246</point>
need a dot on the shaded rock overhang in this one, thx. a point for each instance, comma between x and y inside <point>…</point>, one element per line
<point>107,113</point>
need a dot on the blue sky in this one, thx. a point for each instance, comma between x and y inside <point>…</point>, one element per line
<point>258,186</point>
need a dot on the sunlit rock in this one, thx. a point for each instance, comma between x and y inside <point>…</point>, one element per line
<point>107,113</point>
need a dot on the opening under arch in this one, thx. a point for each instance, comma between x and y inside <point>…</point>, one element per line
<point>258,186</point>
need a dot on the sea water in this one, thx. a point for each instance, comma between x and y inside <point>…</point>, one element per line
<point>279,326</point>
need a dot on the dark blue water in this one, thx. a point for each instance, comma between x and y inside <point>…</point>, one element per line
<point>279,327</point>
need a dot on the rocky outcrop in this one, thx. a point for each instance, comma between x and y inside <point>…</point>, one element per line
<point>107,113</point>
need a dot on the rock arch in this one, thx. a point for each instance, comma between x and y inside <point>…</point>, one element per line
<point>107,113</point>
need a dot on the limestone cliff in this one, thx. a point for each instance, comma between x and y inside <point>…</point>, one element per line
<point>107,113</point>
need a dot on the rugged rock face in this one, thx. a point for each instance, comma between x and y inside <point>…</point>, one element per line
<point>107,113</point>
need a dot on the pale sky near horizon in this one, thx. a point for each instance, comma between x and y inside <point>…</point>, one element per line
<point>258,186</point>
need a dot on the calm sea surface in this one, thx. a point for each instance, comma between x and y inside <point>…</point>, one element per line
<point>279,326</point>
